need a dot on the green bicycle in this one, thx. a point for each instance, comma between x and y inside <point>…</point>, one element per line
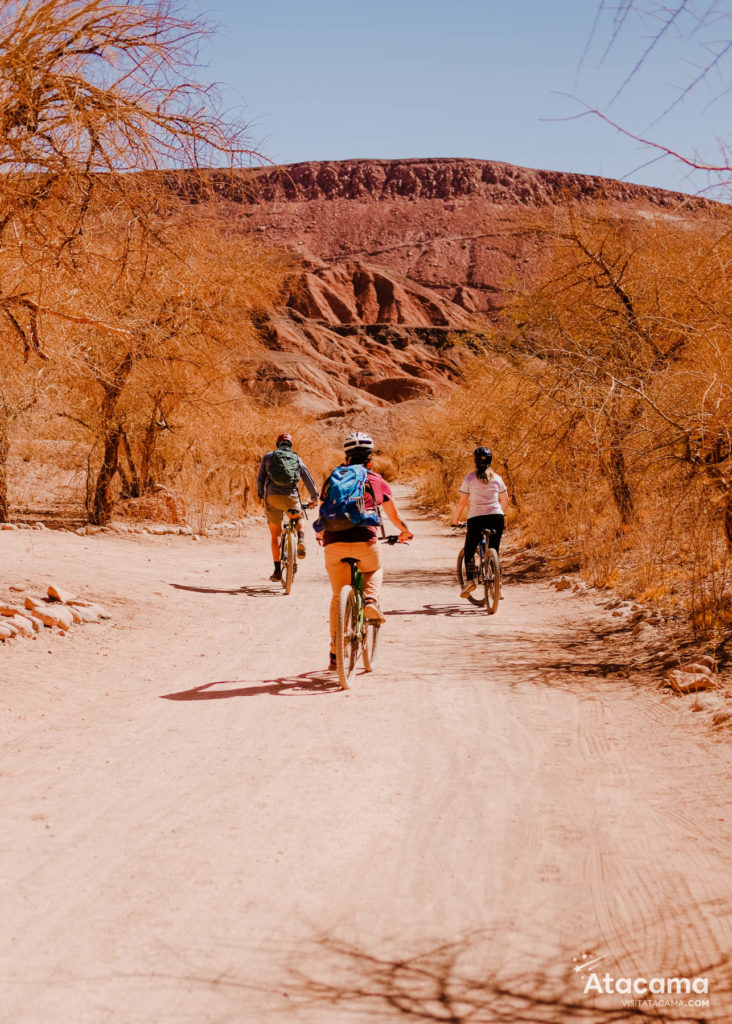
<point>356,636</point>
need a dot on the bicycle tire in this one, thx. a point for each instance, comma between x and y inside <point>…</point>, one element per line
<point>289,563</point>
<point>346,638</point>
<point>370,641</point>
<point>477,601</point>
<point>492,582</point>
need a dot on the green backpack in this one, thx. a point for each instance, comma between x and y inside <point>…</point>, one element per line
<point>284,469</point>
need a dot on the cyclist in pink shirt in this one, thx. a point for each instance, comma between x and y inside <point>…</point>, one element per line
<point>360,541</point>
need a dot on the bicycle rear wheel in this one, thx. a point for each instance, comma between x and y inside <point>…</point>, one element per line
<point>492,581</point>
<point>346,638</point>
<point>478,601</point>
<point>289,564</point>
<point>370,643</point>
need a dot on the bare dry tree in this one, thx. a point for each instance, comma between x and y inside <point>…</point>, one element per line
<point>96,97</point>
<point>704,27</point>
<point>169,330</point>
<point>607,399</point>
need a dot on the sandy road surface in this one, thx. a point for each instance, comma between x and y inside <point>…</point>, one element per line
<point>198,826</point>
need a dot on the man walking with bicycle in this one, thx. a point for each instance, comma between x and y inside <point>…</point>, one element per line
<point>349,533</point>
<point>280,473</point>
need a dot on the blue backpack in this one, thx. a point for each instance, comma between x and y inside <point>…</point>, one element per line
<point>343,505</point>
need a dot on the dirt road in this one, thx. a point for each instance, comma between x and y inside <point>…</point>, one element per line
<point>198,826</point>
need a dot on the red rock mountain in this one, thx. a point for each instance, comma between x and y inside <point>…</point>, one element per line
<point>399,256</point>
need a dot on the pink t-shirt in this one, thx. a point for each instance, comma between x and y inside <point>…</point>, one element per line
<point>361,534</point>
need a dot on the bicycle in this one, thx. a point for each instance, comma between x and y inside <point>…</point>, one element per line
<point>356,636</point>
<point>488,575</point>
<point>288,546</point>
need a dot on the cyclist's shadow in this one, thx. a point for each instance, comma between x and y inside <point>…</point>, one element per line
<point>306,684</point>
<point>243,591</point>
<point>452,610</point>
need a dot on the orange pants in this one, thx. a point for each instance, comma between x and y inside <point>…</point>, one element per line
<point>369,563</point>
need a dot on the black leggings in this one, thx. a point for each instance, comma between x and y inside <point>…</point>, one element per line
<point>476,525</point>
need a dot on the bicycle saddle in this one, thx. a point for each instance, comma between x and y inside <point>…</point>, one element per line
<point>350,561</point>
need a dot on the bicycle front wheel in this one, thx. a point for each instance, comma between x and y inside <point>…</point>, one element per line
<point>370,641</point>
<point>288,560</point>
<point>492,581</point>
<point>478,601</point>
<point>346,638</point>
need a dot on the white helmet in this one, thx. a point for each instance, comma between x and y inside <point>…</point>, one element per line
<point>358,440</point>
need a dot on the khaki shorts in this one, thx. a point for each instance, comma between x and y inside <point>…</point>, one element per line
<point>275,505</point>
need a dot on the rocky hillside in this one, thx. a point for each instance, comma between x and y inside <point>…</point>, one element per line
<point>399,258</point>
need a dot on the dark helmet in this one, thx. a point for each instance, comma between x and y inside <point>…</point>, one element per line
<point>483,457</point>
<point>284,440</point>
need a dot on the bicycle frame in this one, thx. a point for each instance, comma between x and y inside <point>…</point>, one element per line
<point>488,572</point>
<point>356,635</point>
<point>288,545</point>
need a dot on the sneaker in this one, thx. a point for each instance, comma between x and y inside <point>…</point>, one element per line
<point>301,552</point>
<point>372,613</point>
<point>470,586</point>
<point>276,576</point>
<point>332,663</point>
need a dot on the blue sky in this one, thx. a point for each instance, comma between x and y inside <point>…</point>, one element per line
<point>333,79</point>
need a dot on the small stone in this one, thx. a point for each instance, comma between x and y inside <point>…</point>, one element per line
<point>57,594</point>
<point>5,631</point>
<point>81,531</point>
<point>722,717</point>
<point>702,659</point>
<point>18,588</point>
<point>98,610</point>
<point>10,610</point>
<point>8,526</point>
<point>683,682</point>
<point>56,615</point>
<point>22,624</point>
<point>24,526</point>
<point>696,669</point>
<point>86,614</point>
<point>562,584</point>
<point>33,604</point>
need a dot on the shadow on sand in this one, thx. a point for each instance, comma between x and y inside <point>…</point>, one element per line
<point>239,592</point>
<point>305,684</point>
<point>446,984</point>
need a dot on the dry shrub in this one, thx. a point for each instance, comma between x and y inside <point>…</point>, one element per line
<point>215,460</point>
<point>607,400</point>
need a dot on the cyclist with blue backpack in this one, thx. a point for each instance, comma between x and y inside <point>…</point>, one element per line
<point>280,473</point>
<point>348,521</point>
